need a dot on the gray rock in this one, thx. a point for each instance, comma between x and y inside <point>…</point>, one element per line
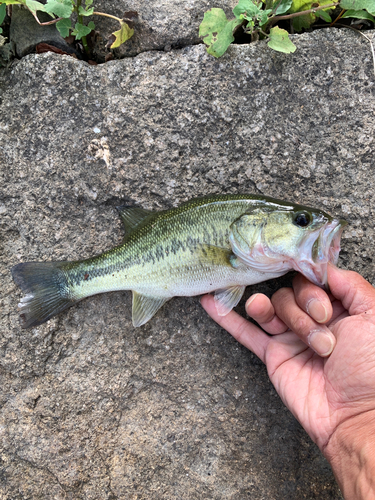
<point>26,33</point>
<point>6,52</point>
<point>92,408</point>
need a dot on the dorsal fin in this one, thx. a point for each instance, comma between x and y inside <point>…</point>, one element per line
<point>132,216</point>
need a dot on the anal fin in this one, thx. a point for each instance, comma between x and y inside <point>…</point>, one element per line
<point>145,306</point>
<point>227,298</point>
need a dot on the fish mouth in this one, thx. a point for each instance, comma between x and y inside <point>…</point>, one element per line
<point>318,249</point>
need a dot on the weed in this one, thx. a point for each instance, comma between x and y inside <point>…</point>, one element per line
<point>257,18</point>
<point>61,12</point>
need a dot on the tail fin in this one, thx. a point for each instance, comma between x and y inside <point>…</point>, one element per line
<point>47,291</point>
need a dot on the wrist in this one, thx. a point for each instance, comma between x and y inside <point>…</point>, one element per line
<point>351,454</point>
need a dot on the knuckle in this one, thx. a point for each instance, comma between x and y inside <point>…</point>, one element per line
<point>266,318</point>
<point>300,324</point>
<point>281,295</point>
<point>241,331</point>
<point>260,309</point>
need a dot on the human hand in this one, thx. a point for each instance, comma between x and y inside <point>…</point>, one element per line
<point>321,392</point>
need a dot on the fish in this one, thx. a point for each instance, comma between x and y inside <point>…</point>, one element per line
<point>219,243</point>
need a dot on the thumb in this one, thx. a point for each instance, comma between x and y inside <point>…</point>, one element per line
<point>355,293</point>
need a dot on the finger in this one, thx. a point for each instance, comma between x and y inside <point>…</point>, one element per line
<point>259,307</point>
<point>337,319</point>
<point>355,293</point>
<point>242,330</point>
<point>316,335</point>
<point>338,310</point>
<point>312,299</point>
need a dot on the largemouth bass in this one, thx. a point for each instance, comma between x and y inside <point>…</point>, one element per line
<point>215,244</point>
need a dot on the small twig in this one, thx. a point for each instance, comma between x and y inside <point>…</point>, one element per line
<point>337,18</point>
<point>80,20</point>
<point>107,15</point>
<point>47,23</point>
<point>275,19</point>
<point>275,7</point>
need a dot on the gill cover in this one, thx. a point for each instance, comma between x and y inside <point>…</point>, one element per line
<point>248,242</point>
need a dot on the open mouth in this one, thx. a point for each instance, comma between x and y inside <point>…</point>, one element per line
<point>327,245</point>
<point>325,249</point>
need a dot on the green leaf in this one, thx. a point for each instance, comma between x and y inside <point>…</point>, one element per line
<point>305,21</point>
<point>217,31</point>
<point>224,38</point>
<point>368,5</point>
<point>279,40</point>
<point>326,17</point>
<point>283,6</point>
<point>13,2</point>
<point>81,30</point>
<point>263,16</point>
<point>88,3</point>
<point>34,6</point>
<point>64,26</point>
<point>123,34</point>
<point>3,11</point>
<point>84,12</point>
<point>246,8</point>
<point>301,5</point>
<point>60,8</point>
<point>214,21</point>
<point>358,14</point>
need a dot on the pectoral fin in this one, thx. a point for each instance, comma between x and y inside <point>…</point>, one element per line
<point>144,307</point>
<point>227,298</point>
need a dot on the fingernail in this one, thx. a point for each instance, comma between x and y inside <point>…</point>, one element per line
<point>317,310</point>
<point>250,300</point>
<point>322,342</point>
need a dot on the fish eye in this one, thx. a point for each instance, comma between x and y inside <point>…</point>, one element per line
<point>302,219</point>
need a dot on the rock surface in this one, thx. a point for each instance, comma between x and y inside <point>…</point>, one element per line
<point>92,408</point>
<point>26,33</point>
